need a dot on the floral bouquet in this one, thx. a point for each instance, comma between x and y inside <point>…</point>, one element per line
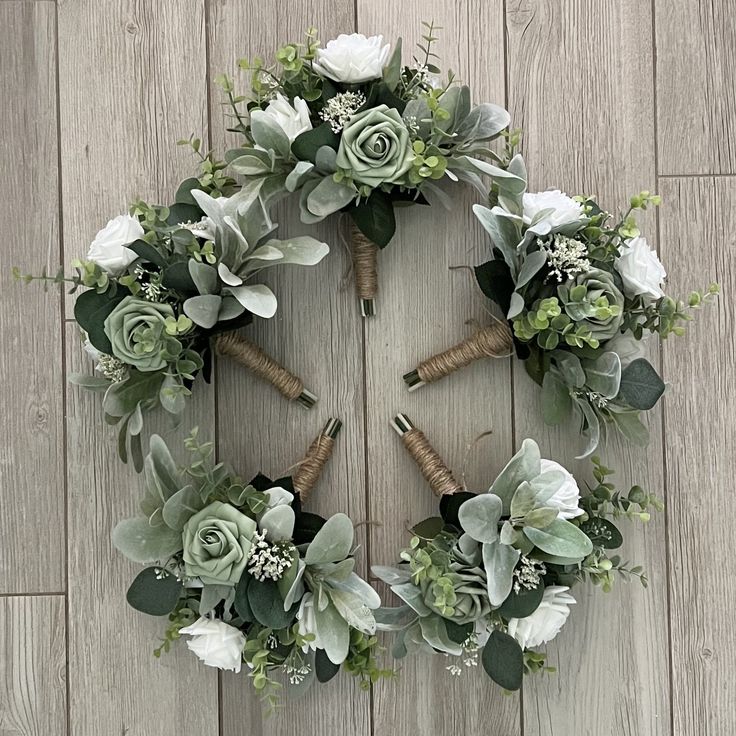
<point>581,291</point>
<point>492,574</point>
<point>249,575</point>
<point>352,130</point>
<point>167,285</point>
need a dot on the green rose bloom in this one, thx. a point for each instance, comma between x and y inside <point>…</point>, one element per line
<point>136,329</point>
<point>592,298</point>
<point>375,147</point>
<point>217,543</point>
<point>460,596</point>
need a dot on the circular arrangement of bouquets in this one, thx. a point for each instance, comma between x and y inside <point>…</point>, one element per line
<point>247,574</point>
<point>490,577</point>
<point>582,291</point>
<point>168,285</point>
<point>351,129</point>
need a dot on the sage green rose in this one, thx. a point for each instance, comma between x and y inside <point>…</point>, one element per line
<point>136,329</point>
<point>217,542</point>
<point>460,596</point>
<point>375,147</point>
<point>594,300</point>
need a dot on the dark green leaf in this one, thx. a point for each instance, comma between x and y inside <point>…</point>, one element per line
<point>147,252</point>
<point>183,212</point>
<point>267,604</point>
<point>375,218</point>
<point>154,596</point>
<point>241,604</point>
<point>503,660</point>
<point>494,279</point>
<point>429,528</point>
<point>449,505</point>
<point>306,145</point>
<point>522,604</point>
<point>392,70</point>
<point>381,94</point>
<point>641,385</point>
<point>91,310</point>
<point>602,532</point>
<point>323,667</point>
<point>458,633</point>
<point>184,192</point>
<point>306,527</point>
<point>177,278</point>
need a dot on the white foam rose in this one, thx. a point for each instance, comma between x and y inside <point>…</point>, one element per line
<point>293,119</point>
<point>640,269</point>
<point>352,58</point>
<point>216,643</point>
<point>567,497</point>
<point>565,210</point>
<point>108,248</point>
<point>545,623</point>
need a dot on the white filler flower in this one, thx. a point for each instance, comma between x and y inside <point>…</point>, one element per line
<point>566,498</point>
<point>293,119</point>
<point>640,269</point>
<point>108,248</point>
<point>565,210</point>
<point>545,623</point>
<point>216,643</point>
<point>352,58</point>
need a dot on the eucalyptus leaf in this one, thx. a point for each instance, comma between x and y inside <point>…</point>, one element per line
<point>641,387</point>
<point>204,277</point>
<point>479,517</point>
<point>141,542</point>
<point>203,310</point>
<point>522,603</point>
<point>324,669</point>
<point>180,507</point>
<point>154,592</point>
<point>435,634</point>
<point>556,400</point>
<point>267,605</point>
<point>503,660</point>
<point>278,523</point>
<point>603,375</point>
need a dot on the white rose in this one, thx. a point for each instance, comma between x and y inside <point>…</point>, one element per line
<point>565,210</point>
<point>545,623</point>
<point>216,643</point>
<point>566,498</point>
<point>307,622</point>
<point>627,347</point>
<point>640,269</point>
<point>293,120</point>
<point>108,248</point>
<point>352,59</point>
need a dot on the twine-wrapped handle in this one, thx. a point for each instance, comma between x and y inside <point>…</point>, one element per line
<point>250,356</point>
<point>431,465</point>
<point>318,454</point>
<point>365,267</point>
<point>494,341</point>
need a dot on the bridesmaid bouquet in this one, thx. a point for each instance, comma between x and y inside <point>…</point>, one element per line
<point>248,575</point>
<point>490,577</point>
<point>353,130</point>
<point>582,291</point>
<point>167,285</point>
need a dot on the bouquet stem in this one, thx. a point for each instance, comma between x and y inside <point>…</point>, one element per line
<point>365,265</point>
<point>250,356</point>
<point>494,341</point>
<point>431,465</point>
<point>314,461</point>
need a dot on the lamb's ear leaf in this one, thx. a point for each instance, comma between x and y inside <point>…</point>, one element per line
<point>503,660</point>
<point>141,542</point>
<point>154,592</point>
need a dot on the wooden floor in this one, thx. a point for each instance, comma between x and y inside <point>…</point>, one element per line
<point>615,96</point>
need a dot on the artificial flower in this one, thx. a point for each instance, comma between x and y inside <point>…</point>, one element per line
<point>565,499</point>
<point>307,622</point>
<point>352,58</point>
<point>565,210</point>
<point>108,249</point>
<point>593,300</point>
<point>216,643</point>
<point>640,269</point>
<point>292,119</point>
<point>545,623</point>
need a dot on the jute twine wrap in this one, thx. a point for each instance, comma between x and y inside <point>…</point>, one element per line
<point>311,467</point>
<point>264,366</point>
<point>434,470</point>
<point>494,341</point>
<point>365,264</point>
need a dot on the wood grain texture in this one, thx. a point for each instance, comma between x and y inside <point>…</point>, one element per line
<point>696,87</point>
<point>132,82</point>
<point>30,400</point>
<point>422,307</point>
<point>572,64</point>
<point>698,242</point>
<point>32,666</point>
<point>317,332</point>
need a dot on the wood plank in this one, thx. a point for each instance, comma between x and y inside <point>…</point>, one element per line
<point>422,307</point>
<point>613,643</point>
<point>698,242</point>
<point>32,668</point>
<point>696,87</point>
<point>30,400</point>
<point>146,63</point>
<point>317,332</point>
